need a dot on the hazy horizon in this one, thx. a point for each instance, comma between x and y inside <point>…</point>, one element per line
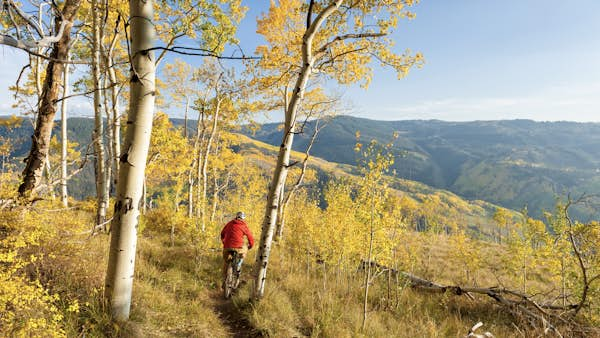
<point>57,119</point>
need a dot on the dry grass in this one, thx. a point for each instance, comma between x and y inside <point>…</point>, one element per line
<point>176,293</point>
<point>325,303</point>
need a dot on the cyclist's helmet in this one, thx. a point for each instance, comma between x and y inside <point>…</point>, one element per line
<point>240,215</point>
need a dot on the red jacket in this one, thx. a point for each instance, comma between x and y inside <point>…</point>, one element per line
<point>233,233</point>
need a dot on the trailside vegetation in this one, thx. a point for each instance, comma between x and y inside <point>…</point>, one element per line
<point>358,252</point>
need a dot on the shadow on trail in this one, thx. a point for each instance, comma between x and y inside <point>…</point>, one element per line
<point>232,318</point>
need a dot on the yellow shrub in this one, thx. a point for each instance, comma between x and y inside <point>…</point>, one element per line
<point>27,308</point>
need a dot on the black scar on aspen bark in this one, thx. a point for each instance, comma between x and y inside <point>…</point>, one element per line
<point>118,206</point>
<point>128,204</point>
<point>134,78</point>
<point>124,157</point>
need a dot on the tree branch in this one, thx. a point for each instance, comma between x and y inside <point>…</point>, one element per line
<point>309,13</point>
<point>86,93</point>
<point>199,52</point>
<point>348,36</point>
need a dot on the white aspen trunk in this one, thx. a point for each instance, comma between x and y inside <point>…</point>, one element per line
<point>185,118</point>
<point>205,158</point>
<point>369,255</point>
<point>199,158</point>
<point>190,207</point>
<point>48,171</point>
<point>63,130</point>
<point>281,210</point>
<point>38,60</point>
<point>120,272</point>
<point>280,213</point>
<point>215,197</point>
<point>109,149</point>
<point>195,163</point>
<point>284,202</point>
<point>116,118</point>
<point>283,159</point>
<point>268,224</point>
<point>115,126</point>
<point>38,74</point>
<point>102,200</point>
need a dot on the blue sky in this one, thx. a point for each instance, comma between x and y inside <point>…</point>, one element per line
<point>485,60</point>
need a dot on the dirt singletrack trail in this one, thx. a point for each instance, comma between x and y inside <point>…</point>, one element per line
<point>231,318</point>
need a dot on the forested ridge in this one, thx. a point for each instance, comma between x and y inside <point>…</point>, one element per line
<point>111,226</point>
<point>513,163</point>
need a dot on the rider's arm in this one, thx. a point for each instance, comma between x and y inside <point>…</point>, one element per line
<point>223,233</point>
<point>249,235</point>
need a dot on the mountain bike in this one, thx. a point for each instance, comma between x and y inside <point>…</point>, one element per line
<point>232,278</point>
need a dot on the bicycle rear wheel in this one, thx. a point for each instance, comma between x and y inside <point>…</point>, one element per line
<point>229,280</point>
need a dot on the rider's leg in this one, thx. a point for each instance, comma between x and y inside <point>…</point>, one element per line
<point>239,265</point>
<point>241,255</point>
<point>225,258</point>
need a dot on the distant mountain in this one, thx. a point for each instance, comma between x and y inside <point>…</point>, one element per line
<point>513,163</point>
<point>79,130</point>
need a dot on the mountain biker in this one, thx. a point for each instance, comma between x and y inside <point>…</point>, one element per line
<point>232,237</point>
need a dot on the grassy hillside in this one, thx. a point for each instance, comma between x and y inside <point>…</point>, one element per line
<point>477,213</point>
<point>176,286</point>
<point>514,163</point>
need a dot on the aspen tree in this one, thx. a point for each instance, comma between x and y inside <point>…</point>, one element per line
<point>38,154</point>
<point>119,276</point>
<point>98,135</point>
<point>374,162</point>
<point>319,39</point>
<point>63,131</point>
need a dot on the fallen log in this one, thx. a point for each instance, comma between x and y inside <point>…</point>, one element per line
<point>523,304</point>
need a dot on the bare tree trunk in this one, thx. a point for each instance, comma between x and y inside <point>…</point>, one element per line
<point>116,118</point>
<point>369,255</point>
<point>185,118</point>
<point>279,223</point>
<point>48,172</point>
<point>102,199</point>
<point>198,146</point>
<point>110,157</point>
<point>63,129</point>
<point>205,157</point>
<point>283,206</point>
<point>283,159</point>
<point>115,126</point>
<point>215,197</point>
<point>120,272</point>
<point>190,207</point>
<point>218,188</point>
<point>47,109</point>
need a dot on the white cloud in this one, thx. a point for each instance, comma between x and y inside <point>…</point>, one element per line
<point>573,103</point>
